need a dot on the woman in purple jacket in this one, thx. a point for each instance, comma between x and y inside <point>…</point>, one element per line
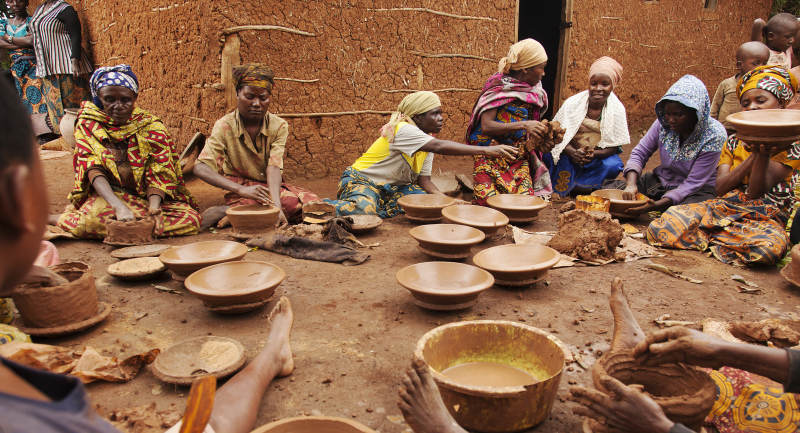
<point>688,141</point>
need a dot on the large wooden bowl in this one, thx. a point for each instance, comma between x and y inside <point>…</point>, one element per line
<point>517,264</point>
<point>519,208</point>
<point>185,259</point>
<point>447,241</point>
<point>425,208</point>
<point>482,218</point>
<point>444,285</point>
<point>235,283</point>
<point>619,205</point>
<point>776,127</point>
<point>314,424</point>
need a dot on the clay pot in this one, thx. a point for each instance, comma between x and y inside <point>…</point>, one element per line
<point>425,208</point>
<point>482,218</point>
<point>592,203</point>
<point>314,424</point>
<point>184,361</point>
<point>618,205</point>
<point>185,259</point>
<point>124,233</point>
<point>235,283</point>
<point>444,285</point>
<point>791,272</point>
<point>67,127</point>
<point>517,264</point>
<point>519,208</point>
<point>49,307</point>
<point>447,241</point>
<point>252,219</point>
<point>488,408</point>
<point>776,127</point>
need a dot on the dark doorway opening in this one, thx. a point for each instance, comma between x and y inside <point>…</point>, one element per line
<point>541,20</point>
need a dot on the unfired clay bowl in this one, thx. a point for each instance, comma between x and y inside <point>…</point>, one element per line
<point>252,219</point>
<point>185,259</point>
<point>444,285</point>
<point>519,208</point>
<point>53,306</point>
<point>235,283</point>
<point>490,408</point>
<point>517,264</point>
<point>482,218</point>
<point>619,206</point>
<point>424,207</point>
<point>447,241</point>
<point>184,361</point>
<point>314,424</point>
<point>774,127</point>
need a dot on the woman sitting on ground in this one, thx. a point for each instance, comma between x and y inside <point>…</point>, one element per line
<point>244,154</point>
<point>755,183</point>
<point>399,162</point>
<point>126,165</point>
<point>508,112</point>
<point>688,141</point>
<point>596,128</point>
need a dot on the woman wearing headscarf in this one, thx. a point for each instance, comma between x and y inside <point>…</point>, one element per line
<point>244,153</point>
<point>126,165</point>
<point>688,141</point>
<point>508,112</point>
<point>755,183</point>
<point>596,128</point>
<point>399,162</point>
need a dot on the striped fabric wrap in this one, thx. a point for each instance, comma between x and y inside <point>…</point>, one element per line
<point>51,42</point>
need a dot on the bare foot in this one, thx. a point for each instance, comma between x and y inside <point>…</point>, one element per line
<point>281,318</point>
<point>627,332</point>
<point>422,405</point>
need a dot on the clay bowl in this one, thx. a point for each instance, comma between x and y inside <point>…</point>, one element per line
<point>775,127</point>
<point>444,286</point>
<point>495,408</point>
<point>54,306</point>
<point>365,223</point>
<point>425,208</point>
<point>252,219</point>
<point>447,241</point>
<point>619,205</point>
<point>314,424</point>
<point>127,233</point>
<point>140,268</point>
<point>231,284</point>
<point>791,272</point>
<point>517,264</point>
<point>518,208</point>
<point>184,361</point>
<point>482,218</point>
<point>185,259</point>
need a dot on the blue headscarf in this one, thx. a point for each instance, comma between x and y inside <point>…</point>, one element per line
<point>119,75</point>
<point>708,136</point>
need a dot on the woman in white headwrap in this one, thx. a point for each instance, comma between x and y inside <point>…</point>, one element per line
<point>596,129</point>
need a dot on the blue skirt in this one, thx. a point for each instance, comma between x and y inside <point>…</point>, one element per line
<point>566,175</point>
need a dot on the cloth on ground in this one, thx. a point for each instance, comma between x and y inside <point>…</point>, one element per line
<point>302,248</point>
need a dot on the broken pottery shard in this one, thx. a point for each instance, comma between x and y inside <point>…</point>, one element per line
<point>590,236</point>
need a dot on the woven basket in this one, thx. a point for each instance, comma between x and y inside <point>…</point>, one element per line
<point>46,307</point>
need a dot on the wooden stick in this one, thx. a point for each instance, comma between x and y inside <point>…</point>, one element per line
<point>334,113</point>
<point>611,18</point>
<point>452,55</point>
<point>451,89</point>
<point>435,12</point>
<point>236,29</point>
<point>297,80</point>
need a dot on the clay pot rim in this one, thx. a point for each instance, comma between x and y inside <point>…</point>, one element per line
<point>187,380</point>
<point>742,118</point>
<point>196,289</point>
<point>639,201</point>
<point>492,202</point>
<point>83,267</point>
<point>355,424</point>
<point>479,261</point>
<point>475,236</point>
<point>474,289</point>
<point>486,391</point>
<point>501,219</point>
<point>239,251</point>
<point>240,211</point>
<point>406,201</point>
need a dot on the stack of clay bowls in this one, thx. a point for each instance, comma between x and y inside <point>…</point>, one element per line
<point>487,220</point>
<point>185,259</point>
<point>519,208</point>
<point>791,272</point>
<point>774,127</point>
<point>447,241</point>
<point>252,220</point>
<point>618,205</point>
<point>49,311</point>
<point>444,286</point>
<point>517,264</point>
<point>235,287</point>
<point>424,208</point>
<point>126,233</point>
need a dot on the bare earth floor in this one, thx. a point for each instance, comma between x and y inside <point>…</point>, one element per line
<point>356,328</point>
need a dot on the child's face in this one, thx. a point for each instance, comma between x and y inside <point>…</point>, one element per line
<point>748,63</point>
<point>781,39</point>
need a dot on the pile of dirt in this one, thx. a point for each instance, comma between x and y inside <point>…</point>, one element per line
<point>589,236</point>
<point>143,419</point>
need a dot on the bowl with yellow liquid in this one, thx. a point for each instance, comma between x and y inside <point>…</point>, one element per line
<point>494,375</point>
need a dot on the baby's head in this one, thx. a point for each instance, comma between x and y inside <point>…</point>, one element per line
<point>780,31</point>
<point>751,54</point>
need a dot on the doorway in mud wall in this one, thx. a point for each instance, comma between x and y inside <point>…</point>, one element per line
<point>548,22</point>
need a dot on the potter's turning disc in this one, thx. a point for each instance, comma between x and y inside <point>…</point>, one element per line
<point>152,250</point>
<point>136,269</point>
<point>182,362</point>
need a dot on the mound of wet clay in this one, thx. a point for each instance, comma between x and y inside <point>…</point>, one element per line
<point>138,232</point>
<point>590,236</point>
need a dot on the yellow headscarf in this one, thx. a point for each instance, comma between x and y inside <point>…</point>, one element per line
<point>772,78</point>
<point>253,74</point>
<point>413,104</point>
<point>524,54</point>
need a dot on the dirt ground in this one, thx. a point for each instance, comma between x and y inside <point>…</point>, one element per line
<point>356,328</point>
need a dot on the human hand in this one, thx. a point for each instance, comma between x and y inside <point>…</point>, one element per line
<point>502,151</point>
<point>158,220</point>
<point>680,344</point>
<point>123,213</point>
<point>630,192</point>
<point>627,410</point>
<point>535,129</point>
<point>638,210</point>
<point>259,193</point>
<point>75,68</point>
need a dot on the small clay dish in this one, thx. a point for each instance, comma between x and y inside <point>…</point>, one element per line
<point>482,218</point>
<point>365,223</point>
<point>791,272</point>
<point>517,264</point>
<point>447,241</point>
<point>424,208</point>
<point>252,220</point>
<point>519,208</point>
<point>152,250</point>
<point>103,310</point>
<point>185,259</point>
<point>182,362</point>
<point>235,284</point>
<point>444,286</point>
<point>128,233</point>
<point>776,127</point>
<point>140,268</point>
<point>592,203</point>
<point>619,205</point>
<point>314,424</point>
